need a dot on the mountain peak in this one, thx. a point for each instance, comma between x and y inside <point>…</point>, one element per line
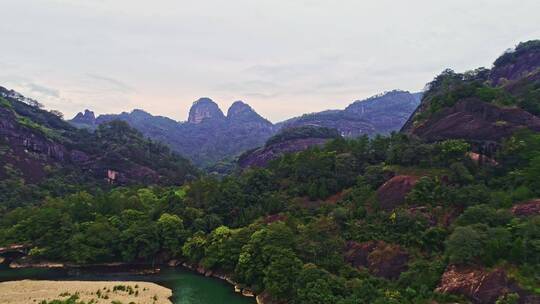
<point>140,113</point>
<point>204,108</point>
<point>239,108</point>
<point>241,111</point>
<point>88,117</point>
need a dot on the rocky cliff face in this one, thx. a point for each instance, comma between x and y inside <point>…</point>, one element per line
<point>483,106</point>
<point>475,120</point>
<point>204,109</point>
<point>26,151</point>
<point>516,64</point>
<point>86,118</point>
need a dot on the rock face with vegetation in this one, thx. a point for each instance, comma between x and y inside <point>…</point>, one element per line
<point>380,258</point>
<point>404,218</point>
<point>287,141</point>
<point>474,119</point>
<point>483,105</point>
<point>394,192</point>
<point>39,148</point>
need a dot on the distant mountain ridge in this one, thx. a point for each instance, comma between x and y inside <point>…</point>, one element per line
<point>206,137</point>
<point>379,114</point>
<point>209,136</point>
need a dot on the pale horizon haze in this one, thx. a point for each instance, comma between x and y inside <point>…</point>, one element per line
<point>284,58</point>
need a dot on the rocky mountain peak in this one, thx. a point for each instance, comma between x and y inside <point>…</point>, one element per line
<point>241,111</point>
<point>239,107</point>
<point>204,108</point>
<point>140,113</point>
<point>88,117</point>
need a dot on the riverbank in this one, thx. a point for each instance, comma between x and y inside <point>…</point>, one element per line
<point>142,269</point>
<point>262,298</point>
<point>101,292</point>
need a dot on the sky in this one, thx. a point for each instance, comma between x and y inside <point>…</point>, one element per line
<point>283,57</point>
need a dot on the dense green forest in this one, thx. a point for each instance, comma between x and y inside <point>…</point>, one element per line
<point>276,229</point>
<point>387,219</point>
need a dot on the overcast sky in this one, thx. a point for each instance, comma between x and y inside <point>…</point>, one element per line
<point>283,57</point>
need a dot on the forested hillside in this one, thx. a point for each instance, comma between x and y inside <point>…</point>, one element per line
<point>433,214</point>
<point>42,155</point>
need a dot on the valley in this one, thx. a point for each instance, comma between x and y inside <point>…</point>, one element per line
<point>401,198</point>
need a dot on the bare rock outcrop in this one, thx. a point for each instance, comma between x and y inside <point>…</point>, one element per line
<point>529,208</point>
<point>203,109</point>
<point>394,192</point>
<point>477,284</point>
<point>380,258</point>
<point>474,120</point>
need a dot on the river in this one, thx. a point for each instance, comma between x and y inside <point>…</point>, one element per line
<point>187,287</point>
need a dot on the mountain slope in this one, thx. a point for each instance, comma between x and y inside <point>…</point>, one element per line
<point>38,147</point>
<point>380,114</point>
<point>287,141</point>
<point>483,105</point>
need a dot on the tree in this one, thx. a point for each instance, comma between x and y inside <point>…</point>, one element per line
<point>280,275</point>
<point>466,243</point>
<point>221,250</point>
<point>171,232</point>
<point>257,253</point>
<point>140,238</point>
<point>452,150</point>
<point>317,286</point>
<point>193,248</point>
<point>484,214</point>
<point>317,242</point>
<point>96,242</point>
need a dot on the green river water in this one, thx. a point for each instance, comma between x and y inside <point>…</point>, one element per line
<point>187,287</point>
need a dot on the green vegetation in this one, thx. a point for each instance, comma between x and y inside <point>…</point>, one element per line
<point>302,132</point>
<point>297,253</point>
<point>54,159</point>
<point>521,49</point>
<point>450,87</point>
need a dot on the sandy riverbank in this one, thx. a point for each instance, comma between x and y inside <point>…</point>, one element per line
<point>104,292</point>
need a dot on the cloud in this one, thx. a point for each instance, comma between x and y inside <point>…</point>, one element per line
<point>113,84</point>
<point>43,90</point>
